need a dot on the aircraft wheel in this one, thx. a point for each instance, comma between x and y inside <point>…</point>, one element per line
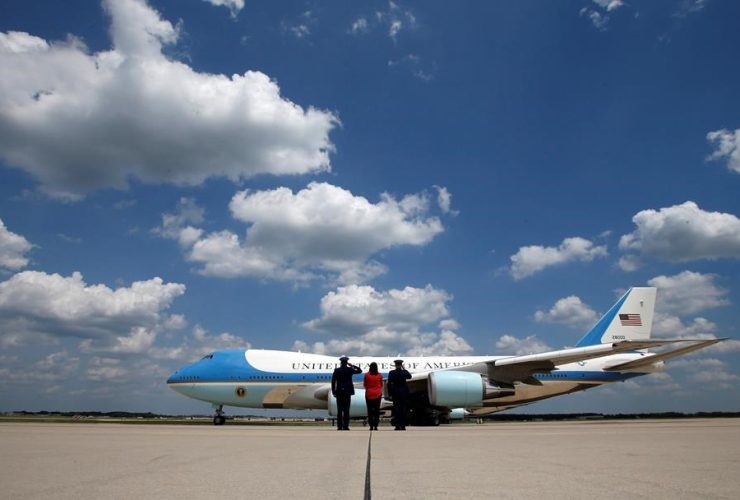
<point>219,420</point>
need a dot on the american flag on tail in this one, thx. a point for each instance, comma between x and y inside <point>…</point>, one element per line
<point>630,319</point>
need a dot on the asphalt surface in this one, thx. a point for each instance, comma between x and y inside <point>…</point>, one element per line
<point>685,459</point>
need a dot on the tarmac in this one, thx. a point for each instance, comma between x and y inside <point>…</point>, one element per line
<point>645,459</point>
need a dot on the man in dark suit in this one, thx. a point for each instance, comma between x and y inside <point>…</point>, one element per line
<point>399,391</point>
<point>342,389</point>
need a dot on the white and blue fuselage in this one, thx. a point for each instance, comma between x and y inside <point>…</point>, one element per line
<point>294,380</point>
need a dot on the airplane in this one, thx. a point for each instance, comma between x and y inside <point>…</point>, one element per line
<point>443,388</point>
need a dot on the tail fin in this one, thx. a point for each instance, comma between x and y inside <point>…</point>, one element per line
<point>631,318</point>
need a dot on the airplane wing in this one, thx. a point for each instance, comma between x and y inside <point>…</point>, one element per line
<point>522,368</point>
<point>648,360</point>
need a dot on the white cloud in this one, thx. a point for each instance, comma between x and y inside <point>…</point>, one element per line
<point>687,7</point>
<point>13,249</point>
<point>629,263</point>
<point>688,293</point>
<point>444,199</point>
<point>727,143</point>
<point>376,323</point>
<point>36,304</point>
<point>684,232</point>
<point>693,364</point>
<point>138,340</point>
<point>533,259</point>
<point>199,343</point>
<point>360,26</point>
<point>609,5</point>
<point>508,344</point>
<point>570,311</point>
<point>208,342</point>
<point>106,369</point>
<point>300,27</point>
<point>669,325</point>
<point>320,230</point>
<point>356,310</point>
<point>393,20</point>
<point>449,324</point>
<point>420,68</point>
<point>234,6</point>
<point>176,322</point>
<point>78,121</point>
<point>178,226</point>
<point>383,343</point>
<point>53,367</point>
<point>598,14</point>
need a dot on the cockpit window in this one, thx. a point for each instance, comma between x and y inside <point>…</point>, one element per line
<point>208,356</point>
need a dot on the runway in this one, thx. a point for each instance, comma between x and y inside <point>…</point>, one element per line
<point>676,459</point>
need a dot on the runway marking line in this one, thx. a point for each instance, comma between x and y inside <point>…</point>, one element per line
<point>368,493</point>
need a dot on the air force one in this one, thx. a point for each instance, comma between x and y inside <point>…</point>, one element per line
<point>443,388</point>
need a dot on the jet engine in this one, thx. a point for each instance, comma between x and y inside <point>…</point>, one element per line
<point>457,414</point>
<point>357,405</point>
<point>456,389</point>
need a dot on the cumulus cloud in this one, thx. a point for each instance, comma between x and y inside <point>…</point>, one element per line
<point>533,259</point>
<point>13,249</point>
<point>570,311</point>
<point>356,310</point>
<point>179,225</point>
<point>106,369</point>
<point>684,232</point>
<point>670,325</point>
<point>711,371</point>
<point>688,293</point>
<point>176,322</point>
<point>234,6</point>
<point>78,121</point>
<point>34,304</point>
<point>374,322</point>
<point>197,344</point>
<point>629,263</point>
<point>508,344</point>
<point>727,144</point>
<point>322,229</point>
<point>680,298</point>
<point>57,366</point>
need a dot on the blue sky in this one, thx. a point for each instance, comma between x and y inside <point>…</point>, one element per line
<point>361,178</point>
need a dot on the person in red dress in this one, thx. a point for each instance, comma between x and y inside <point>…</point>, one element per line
<point>373,384</point>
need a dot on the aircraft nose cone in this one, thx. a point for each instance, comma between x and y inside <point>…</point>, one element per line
<point>172,379</point>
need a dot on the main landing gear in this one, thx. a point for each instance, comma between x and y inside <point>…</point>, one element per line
<point>219,418</point>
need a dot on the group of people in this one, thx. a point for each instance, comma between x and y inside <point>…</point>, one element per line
<point>342,388</point>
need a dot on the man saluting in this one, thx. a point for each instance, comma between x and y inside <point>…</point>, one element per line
<point>342,389</point>
<point>399,391</point>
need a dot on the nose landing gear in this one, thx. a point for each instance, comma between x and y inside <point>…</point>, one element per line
<point>219,418</point>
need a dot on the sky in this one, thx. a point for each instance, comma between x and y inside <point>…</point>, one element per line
<point>362,178</point>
